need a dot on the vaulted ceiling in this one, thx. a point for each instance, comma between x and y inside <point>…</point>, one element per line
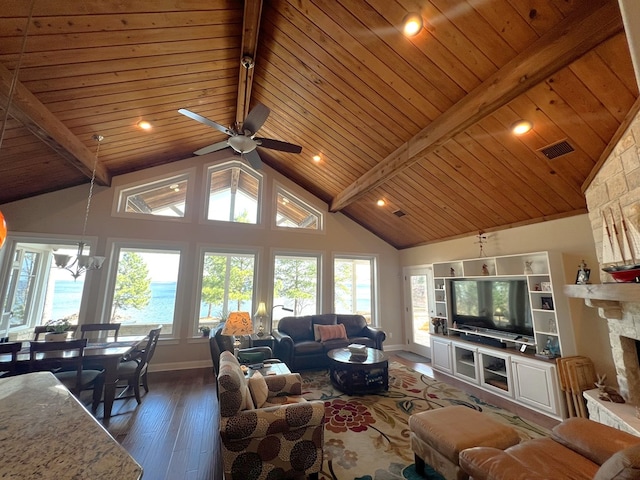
<point>421,122</point>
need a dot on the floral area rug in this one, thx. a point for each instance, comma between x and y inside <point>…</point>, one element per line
<point>367,436</point>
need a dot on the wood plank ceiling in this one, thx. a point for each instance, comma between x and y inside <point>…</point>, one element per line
<point>420,122</point>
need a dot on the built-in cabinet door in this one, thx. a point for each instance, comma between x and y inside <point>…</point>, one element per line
<point>535,386</point>
<point>441,355</point>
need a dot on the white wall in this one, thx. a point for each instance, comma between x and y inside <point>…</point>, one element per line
<point>573,237</point>
<point>62,213</point>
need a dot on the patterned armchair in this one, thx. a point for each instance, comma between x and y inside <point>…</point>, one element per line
<point>281,437</point>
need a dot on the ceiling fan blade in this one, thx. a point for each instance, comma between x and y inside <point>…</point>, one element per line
<point>278,145</point>
<point>212,148</point>
<point>206,121</point>
<point>253,158</point>
<point>256,118</point>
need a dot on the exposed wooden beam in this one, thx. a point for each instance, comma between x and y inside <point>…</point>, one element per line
<point>29,111</point>
<point>250,29</point>
<point>571,39</point>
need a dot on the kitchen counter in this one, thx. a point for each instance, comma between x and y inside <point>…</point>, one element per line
<point>46,433</point>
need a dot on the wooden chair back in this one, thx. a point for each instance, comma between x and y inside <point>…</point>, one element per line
<point>87,329</point>
<point>9,368</point>
<point>51,356</point>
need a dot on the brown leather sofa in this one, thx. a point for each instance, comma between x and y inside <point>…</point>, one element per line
<point>296,343</point>
<point>578,448</point>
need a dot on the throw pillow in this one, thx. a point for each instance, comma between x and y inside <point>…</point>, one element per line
<point>331,332</point>
<point>316,333</point>
<point>258,388</point>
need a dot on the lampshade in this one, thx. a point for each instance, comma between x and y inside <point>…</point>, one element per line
<point>3,233</point>
<point>238,323</point>
<point>261,311</point>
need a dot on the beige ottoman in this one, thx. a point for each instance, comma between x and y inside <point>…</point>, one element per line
<point>438,436</point>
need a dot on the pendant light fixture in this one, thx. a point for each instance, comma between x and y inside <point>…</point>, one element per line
<point>81,263</point>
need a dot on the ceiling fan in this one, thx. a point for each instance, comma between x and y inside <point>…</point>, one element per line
<point>242,138</point>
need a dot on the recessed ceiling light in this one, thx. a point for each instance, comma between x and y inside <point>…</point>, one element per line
<point>144,125</point>
<point>175,187</point>
<point>381,203</point>
<point>412,24</point>
<point>317,158</point>
<point>521,127</point>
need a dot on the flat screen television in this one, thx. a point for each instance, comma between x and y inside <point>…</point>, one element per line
<point>500,305</point>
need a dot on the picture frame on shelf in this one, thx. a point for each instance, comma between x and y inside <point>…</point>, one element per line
<point>546,303</point>
<point>582,277</point>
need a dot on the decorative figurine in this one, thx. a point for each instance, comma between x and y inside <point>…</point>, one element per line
<point>607,394</point>
<point>527,267</point>
<point>452,272</point>
<point>485,269</point>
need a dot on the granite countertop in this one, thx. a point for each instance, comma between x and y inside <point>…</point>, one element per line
<point>46,433</point>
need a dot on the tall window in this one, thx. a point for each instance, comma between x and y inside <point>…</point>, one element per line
<point>354,286</point>
<point>295,283</point>
<point>234,193</point>
<point>144,292</point>
<point>35,290</point>
<point>227,281</point>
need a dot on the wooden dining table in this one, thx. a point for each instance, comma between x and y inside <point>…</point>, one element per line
<point>107,355</point>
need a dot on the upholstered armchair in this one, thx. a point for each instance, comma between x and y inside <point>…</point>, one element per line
<point>267,429</point>
<point>219,343</point>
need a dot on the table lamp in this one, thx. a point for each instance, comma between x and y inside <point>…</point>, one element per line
<point>237,324</point>
<point>261,312</point>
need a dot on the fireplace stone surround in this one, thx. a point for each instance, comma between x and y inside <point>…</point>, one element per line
<point>619,305</point>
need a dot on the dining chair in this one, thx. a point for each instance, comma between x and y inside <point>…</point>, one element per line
<point>9,368</point>
<point>64,360</point>
<point>88,330</point>
<point>133,373</point>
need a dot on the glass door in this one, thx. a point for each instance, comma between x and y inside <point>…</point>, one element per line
<point>418,301</point>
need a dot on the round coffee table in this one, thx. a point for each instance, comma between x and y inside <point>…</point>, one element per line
<point>359,373</point>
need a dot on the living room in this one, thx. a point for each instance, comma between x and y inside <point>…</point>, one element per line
<point>58,217</point>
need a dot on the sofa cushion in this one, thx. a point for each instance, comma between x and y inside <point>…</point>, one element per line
<point>307,348</point>
<point>258,388</point>
<point>330,332</point>
<point>624,465</point>
<point>336,343</point>
<point>325,319</point>
<point>353,324</point>
<point>299,329</point>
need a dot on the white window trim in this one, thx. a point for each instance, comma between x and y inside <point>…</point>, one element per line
<point>15,238</point>
<point>189,206</point>
<point>277,188</point>
<point>225,250</point>
<point>107,287</point>
<point>375,287</point>
<point>206,178</point>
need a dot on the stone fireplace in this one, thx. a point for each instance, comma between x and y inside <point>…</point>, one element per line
<point>615,188</point>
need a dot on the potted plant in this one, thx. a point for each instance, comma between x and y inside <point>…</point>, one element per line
<point>205,330</point>
<point>57,330</point>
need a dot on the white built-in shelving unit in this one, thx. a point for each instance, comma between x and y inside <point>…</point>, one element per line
<point>514,371</point>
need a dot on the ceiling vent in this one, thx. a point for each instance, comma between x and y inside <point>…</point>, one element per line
<point>399,213</point>
<point>557,149</point>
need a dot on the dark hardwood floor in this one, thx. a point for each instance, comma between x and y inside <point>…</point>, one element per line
<point>173,434</point>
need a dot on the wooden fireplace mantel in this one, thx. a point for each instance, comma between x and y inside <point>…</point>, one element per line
<point>606,296</point>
